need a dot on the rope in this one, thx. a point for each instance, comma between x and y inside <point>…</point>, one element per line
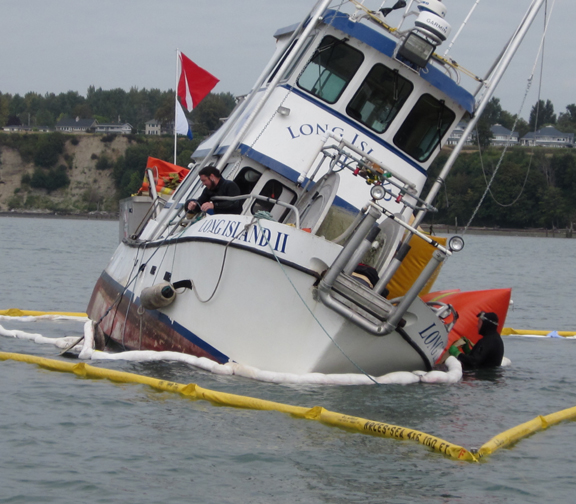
<point>132,278</point>
<point>288,93</point>
<point>308,308</point>
<point>529,84</point>
<point>244,230</point>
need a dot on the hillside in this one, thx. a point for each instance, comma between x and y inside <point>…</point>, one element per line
<point>90,189</point>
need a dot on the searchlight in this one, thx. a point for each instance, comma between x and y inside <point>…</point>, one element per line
<point>430,30</point>
<point>456,243</point>
<point>377,192</point>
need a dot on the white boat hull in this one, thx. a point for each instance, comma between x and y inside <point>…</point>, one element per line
<point>264,312</point>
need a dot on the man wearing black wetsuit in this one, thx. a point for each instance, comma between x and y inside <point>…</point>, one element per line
<point>215,185</point>
<point>489,350</point>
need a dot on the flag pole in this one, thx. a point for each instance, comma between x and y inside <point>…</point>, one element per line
<point>176,104</point>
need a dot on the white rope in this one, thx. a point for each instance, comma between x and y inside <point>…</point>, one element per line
<point>529,84</point>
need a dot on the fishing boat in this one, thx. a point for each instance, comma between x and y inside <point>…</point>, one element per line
<point>330,151</point>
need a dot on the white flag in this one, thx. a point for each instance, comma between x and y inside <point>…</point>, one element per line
<point>182,126</point>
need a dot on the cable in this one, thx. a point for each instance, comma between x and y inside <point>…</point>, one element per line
<point>308,308</point>
<point>529,84</point>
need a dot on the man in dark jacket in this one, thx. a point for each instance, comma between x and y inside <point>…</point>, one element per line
<point>215,185</point>
<point>489,350</point>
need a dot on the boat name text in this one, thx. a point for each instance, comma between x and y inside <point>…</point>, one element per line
<point>432,339</point>
<point>320,129</point>
<point>255,234</point>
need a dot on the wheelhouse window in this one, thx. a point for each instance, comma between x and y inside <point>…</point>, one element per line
<point>331,68</point>
<point>379,98</point>
<point>276,190</point>
<point>247,179</point>
<point>424,127</point>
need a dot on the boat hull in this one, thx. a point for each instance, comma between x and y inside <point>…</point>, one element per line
<point>264,311</point>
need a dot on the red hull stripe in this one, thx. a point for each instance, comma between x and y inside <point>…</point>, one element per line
<point>179,338</point>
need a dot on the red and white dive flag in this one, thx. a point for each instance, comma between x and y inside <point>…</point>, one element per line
<point>194,84</point>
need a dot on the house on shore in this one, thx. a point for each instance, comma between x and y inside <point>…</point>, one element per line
<point>117,129</point>
<point>502,136</point>
<point>548,136</point>
<point>457,133</point>
<point>26,129</point>
<point>153,127</point>
<point>69,125</point>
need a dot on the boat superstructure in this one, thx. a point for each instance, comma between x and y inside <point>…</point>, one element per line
<point>330,150</point>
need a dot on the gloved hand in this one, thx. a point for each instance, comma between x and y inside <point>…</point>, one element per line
<point>453,351</point>
<point>467,346</point>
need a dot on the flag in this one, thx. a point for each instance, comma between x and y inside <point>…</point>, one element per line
<point>182,126</point>
<point>194,84</point>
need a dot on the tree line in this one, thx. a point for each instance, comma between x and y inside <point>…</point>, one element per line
<point>531,188</point>
<point>542,114</point>
<point>135,107</point>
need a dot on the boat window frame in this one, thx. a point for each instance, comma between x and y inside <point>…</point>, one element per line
<point>279,212</point>
<point>281,61</point>
<point>321,49</point>
<point>414,123</point>
<point>296,61</point>
<point>397,104</point>
<point>241,180</point>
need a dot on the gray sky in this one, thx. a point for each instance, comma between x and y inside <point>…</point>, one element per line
<point>60,45</point>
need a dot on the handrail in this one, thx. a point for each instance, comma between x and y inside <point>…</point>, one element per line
<point>262,198</point>
<point>315,18</point>
<point>152,187</point>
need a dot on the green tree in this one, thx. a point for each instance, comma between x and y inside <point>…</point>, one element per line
<point>52,179</point>
<point>128,171</point>
<point>542,113</point>
<point>489,118</point>
<point>45,118</point>
<point>553,209</point>
<point>571,112</point>
<point>564,166</point>
<point>165,110</point>
<point>4,108</point>
<point>567,120</point>
<point>48,149</point>
<point>207,115</point>
<point>104,163</point>
<point>17,105</point>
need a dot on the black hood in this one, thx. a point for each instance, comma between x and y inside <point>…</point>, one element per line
<point>489,323</point>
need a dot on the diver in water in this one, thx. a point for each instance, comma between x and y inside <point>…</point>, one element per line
<point>488,351</point>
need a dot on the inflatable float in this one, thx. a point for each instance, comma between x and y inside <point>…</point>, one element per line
<point>468,304</point>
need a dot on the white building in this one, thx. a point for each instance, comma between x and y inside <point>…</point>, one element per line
<point>153,127</point>
<point>119,129</point>
<point>548,137</point>
<point>77,125</point>
<point>457,133</point>
<point>503,136</point>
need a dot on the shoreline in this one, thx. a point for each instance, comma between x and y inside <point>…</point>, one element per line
<point>432,229</point>
<point>497,231</point>
<point>57,215</point>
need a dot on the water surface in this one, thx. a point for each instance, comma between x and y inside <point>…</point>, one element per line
<point>64,439</point>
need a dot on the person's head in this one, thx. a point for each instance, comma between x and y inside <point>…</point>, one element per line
<point>487,322</point>
<point>209,176</point>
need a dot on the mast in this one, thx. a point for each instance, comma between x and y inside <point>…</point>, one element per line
<point>176,104</point>
<point>315,17</point>
<point>492,82</point>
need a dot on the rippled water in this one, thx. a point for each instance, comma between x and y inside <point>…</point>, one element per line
<point>65,439</point>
